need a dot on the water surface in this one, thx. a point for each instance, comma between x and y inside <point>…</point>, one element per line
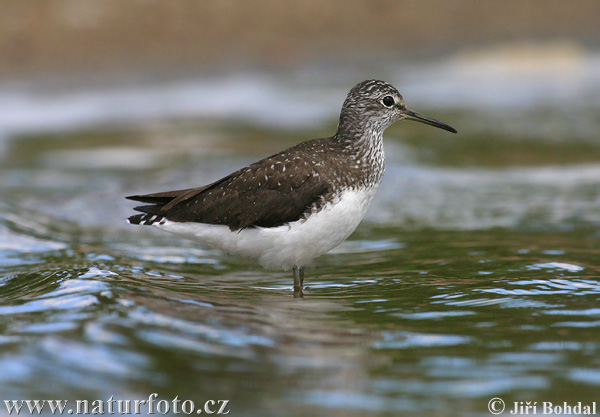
<point>476,273</point>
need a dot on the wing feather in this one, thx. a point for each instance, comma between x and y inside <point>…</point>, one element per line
<point>255,196</point>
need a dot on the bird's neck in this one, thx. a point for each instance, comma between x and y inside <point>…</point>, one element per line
<point>365,149</point>
<point>364,138</point>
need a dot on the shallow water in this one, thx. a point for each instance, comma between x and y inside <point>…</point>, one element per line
<point>476,273</point>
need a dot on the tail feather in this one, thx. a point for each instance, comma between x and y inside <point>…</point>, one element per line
<point>160,204</point>
<point>145,219</point>
<point>158,198</point>
<point>150,209</point>
<point>152,213</point>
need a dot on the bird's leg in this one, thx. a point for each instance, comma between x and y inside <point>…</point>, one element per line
<point>298,281</point>
<point>301,273</point>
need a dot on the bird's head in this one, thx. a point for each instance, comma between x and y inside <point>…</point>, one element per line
<point>375,105</point>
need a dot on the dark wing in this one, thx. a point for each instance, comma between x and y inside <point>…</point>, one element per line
<point>263,194</point>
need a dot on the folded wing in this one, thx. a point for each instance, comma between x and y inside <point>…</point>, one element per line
<point>250,197</point>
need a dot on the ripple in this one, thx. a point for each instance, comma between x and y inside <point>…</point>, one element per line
<point>433,315</point>
<point>183,334</point>
<point>585,312</point>
<point>95,359</point>
<point>406,340</point>
<point>571,284</point>
<point>553,252</point>
<point>475,385</point>
<point>7,340</point>
<point>548,287</point>
<point>484,198</point>
<point>78,286</point>
<point>15,248</point>
<point>94,272</point>
<point>375,300</point>
<point>527,359</point>
<point>46,328</point>
<point>505,302</point>
<point>14,242</point>
<point>57,303</point>
<point>578,324</point>
<point>556,265</point>
<point>14,371</point>
<point>362,246</point>
<point>565,346</point>
<point>587,375</point>
<point>71,294</point>
<point>355,400</point>
<point>170,255</point>
<point>193,302</point>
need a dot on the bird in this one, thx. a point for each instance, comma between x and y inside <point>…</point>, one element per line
<point>293,206</point>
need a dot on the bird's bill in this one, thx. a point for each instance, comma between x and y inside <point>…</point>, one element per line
<point>418,117</point>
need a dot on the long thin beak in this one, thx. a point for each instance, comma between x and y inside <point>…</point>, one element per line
<point>417,117</point>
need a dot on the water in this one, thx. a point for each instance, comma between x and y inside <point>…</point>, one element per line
<point>476,273</point>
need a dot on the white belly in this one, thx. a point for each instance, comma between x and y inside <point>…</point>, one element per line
<point>295,243</point>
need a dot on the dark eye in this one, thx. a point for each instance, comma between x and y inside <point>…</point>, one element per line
<point>388,101</point>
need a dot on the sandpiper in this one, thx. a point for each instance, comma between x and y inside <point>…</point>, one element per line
<point>289,208</point>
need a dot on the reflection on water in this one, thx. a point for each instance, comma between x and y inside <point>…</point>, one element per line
<point>476,273</point>
<point>413,322</point>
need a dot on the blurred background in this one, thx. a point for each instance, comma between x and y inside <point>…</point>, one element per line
<point>475,274</point>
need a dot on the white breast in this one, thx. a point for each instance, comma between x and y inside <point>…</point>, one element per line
<point>295,243</point>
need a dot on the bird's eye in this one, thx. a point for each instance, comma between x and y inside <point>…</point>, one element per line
<point>388,101</point>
